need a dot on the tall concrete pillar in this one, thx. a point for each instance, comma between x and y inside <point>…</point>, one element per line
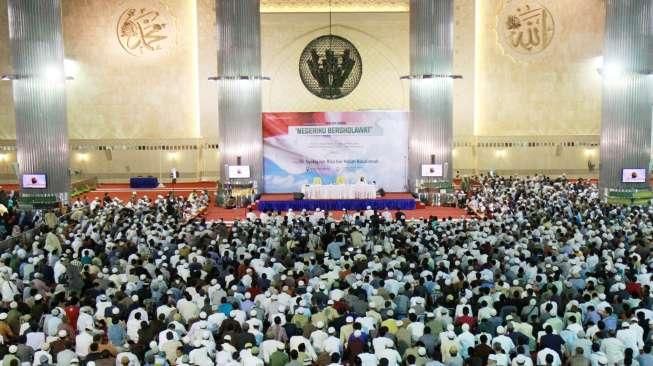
<point>626,113</point>
<point>37,52</point>
<point>431,103</point>
<point>239,86</point>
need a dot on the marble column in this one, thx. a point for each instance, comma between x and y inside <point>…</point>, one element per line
<point>626,113</point>
<point>37,52</point>
<point>239,86</point>
<point>431,103</point>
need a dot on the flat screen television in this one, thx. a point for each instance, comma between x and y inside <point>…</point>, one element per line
<point>38,181</point>
<point>432,170</point>
<point>238,171</point>
<point>633,175</point>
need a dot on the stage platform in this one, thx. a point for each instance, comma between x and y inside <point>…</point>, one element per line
<point>285,201</point>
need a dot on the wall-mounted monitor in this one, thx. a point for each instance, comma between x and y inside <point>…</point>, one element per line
<point>38,181</point>
<point>238,171</point>
<point>633,175</point>
<point>432,170</point>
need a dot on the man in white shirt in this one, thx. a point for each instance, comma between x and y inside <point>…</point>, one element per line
<point>630,338</point>
<point>332,344</point>
<point>521,360</point>
<point>268,347</point>
<point>548,357</point>
<point>613,349</point>
<point>34,338</point>
<point>199,355</point>
<point>83,343</point>
<point>368,359</point>
<point>390,354</point>
<point>318,337</point>
<point>506,342</point>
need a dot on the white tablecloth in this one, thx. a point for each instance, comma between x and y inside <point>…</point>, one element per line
<point>339,191</point>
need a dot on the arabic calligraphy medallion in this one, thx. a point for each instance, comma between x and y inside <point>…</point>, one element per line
<point>145,29</point>
<point>525,28</point>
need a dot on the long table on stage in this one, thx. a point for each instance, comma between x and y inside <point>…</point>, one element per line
<point>285,201</point>
<point>339,191</point>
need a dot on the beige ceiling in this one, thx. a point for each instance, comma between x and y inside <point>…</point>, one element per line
<point>316,6</point>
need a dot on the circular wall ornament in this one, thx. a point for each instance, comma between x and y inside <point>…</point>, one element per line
<point>525,28</point>
<point>145,28</point>
<point>330,67</point>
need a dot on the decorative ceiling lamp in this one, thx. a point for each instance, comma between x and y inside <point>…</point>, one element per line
<point>330,66</point>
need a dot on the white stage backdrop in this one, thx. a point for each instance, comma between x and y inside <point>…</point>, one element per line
<point>298,147</point>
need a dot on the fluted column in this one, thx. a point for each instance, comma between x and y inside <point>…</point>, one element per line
<point>37,53</point>
<point>626,113</point>
<point>239,89</point>
<point>431,53</point>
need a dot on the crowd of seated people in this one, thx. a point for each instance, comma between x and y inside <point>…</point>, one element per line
<point>550,276</point>
<point>13,219</point>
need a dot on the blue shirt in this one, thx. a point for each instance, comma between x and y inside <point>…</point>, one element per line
<point>225,309</point>
<point>645,359</point>
<point>334,249</point>
<point>116,335</point>
<point>610,322</point>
